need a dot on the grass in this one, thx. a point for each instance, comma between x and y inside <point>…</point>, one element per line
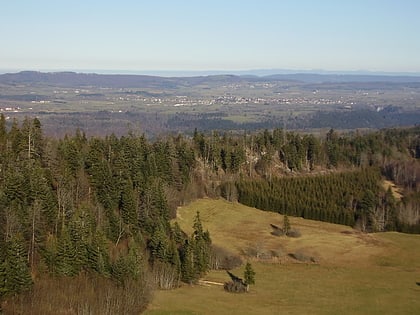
<point>356,274</point>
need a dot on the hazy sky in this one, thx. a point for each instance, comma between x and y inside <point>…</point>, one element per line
<point>376,35</point>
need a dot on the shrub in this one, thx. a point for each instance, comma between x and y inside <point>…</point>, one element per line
<point>277,253</point>
<point>294,233</point>
<point>222,258</point>
<point>277,231</point>
<point>286,230</point>
<point>256,250</point>
<point>302,257</point>
<point>235,287</point>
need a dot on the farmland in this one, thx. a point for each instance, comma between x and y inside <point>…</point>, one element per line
<point>157,105</point>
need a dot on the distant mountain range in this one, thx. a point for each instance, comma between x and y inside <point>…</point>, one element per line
<point>74,79</point>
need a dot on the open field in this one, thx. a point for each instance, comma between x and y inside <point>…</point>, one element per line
<point>354,273</point>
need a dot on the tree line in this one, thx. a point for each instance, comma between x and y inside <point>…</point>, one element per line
<point>336,177</point>
<point>351,198</point>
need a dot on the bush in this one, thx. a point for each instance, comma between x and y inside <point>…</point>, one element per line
<point>287,230</point>
<point>302,257</point>
<point>222,258</point>
<point>294,233</point>
<point>235,287</point>
<point>255,250</point>
<point>277,253</point>
<point>277,231</point>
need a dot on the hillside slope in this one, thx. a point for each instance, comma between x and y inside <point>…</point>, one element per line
<point>237,228</point>
<point>354,273</point>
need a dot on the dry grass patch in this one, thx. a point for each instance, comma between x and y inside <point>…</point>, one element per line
<point>357,273</point>
<point>240,228</point>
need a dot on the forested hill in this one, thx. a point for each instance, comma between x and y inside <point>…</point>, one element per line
<point>102,206</point>
<point>73,79</point>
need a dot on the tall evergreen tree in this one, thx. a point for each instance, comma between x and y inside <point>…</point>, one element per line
<point>202,247</point>
<point>249,274</point>
<point>188,273</point>
<point>159,244</point>
<point>66,254</point>
<point>17,276</point>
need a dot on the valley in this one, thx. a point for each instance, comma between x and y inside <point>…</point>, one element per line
<point>155,106</point>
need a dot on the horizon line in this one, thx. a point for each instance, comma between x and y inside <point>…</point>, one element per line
<point>259,72</point>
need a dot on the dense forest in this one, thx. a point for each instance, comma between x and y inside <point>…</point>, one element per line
<point>96,207</point>
<point>99,209</point>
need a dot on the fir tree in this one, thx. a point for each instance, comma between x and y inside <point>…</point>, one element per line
<point>120,271</point>
<point>134,260</point>
<point>98,258</point>
<point>188,273</point>
<point>177,234</point>
<point>17,276</point>
<point>249,274</point>
<point>159,244</point>
<point>202,250</point>
<point>66,254</point>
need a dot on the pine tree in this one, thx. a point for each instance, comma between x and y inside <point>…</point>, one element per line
<point>49,254</point>
<point>17,277</point>
<point>159,244</point>
<point>128,203</point>
<point>16,138</point>
<point>98,258</point>
<point>120,271</point>
<point>178,234</point>
<point>134,260</point>
<point>79,228</point>
<point>202,249</point>
<point>197,226</point>
<point>66,254</point>
<point>174,258</point>
<point>249,274</point>
<point>332,148</point>
<point>188,273</point>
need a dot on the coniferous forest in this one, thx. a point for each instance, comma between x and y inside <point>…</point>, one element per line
<point>98,210</point>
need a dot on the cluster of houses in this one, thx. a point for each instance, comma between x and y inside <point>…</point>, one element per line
<point>10,109</point>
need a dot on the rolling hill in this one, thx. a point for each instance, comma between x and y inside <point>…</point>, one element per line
<point>73,79</point>
<point>353,273</point>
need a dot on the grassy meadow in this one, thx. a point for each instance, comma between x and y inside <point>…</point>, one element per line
<point>353,273</point>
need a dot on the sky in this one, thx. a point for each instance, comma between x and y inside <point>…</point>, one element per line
<point>137,35</point>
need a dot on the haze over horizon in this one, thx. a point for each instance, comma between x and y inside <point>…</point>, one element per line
<point>211,36</point>
<point>194,73</point>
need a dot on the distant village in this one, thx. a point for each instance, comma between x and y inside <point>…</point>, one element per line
<point>235,100</point>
